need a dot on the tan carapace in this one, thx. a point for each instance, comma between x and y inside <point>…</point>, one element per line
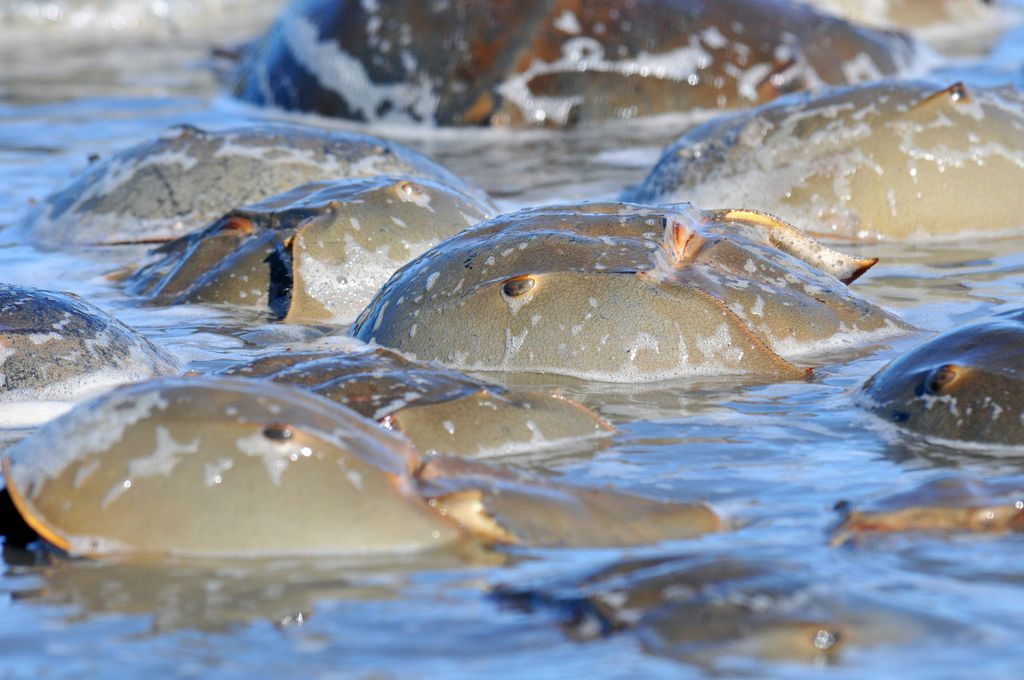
<point>237,467</point>
<point>626,293</point>
<point>886,160</point>
<point>438,409</point>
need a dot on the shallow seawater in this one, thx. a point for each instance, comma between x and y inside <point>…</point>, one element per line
<point>773,457</point>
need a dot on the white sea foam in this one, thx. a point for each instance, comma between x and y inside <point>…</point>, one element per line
<point>345,289</point>
<point>18,414</point>
<point>584,53</point>
<point>343,74</point>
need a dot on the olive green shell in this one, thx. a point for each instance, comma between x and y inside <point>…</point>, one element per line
<point>219,466</point>
<point>625,293</point>
<point>886,160</point>
<point>238,467</point>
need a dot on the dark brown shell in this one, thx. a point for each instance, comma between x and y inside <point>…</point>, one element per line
<point>534,62</point>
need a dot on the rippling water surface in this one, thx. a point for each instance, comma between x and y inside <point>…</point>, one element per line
<point>774,457</point>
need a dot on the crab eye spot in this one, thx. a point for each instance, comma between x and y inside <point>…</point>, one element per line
<point>277,432</point>
<point>517,286</point>
<point>408,189</point>
<point>941,378</point>
<point>236,224</point>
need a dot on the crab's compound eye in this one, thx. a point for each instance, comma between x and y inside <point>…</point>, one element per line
<point>235,224</point>
<point>515,287</point>
<point>408,189</point>
<point>278,432</point>
<point>941,378</point>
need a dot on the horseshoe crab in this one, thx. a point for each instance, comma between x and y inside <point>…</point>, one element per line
<point>315,253</point>
<point>885,160</point>
<point>250,468</point>
<point>621,292</point>
<point>438,409</point>
<point>946,503</point>
<point>553,63</point>
<point>941,23</point>
<point>503,506</point>
<point>161,189</point>
<point>707,609</point>
<point>965,385</point>
<point>304,475</point>
<point>58,346</point>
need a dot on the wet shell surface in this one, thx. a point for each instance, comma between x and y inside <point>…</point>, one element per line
<point>900,160</point>
<point>164,188</point>
<point>965,385</point>
<point>553,63</point>
<point>228,466</point>
<point>949,503</point>
<point>225,466</point>
<point>57,346</point>
<point>316,253</point>
<point>623,293</point>
<point>499,505</point>
<point>438,409</point>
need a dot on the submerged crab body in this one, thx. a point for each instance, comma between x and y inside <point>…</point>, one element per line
<point>706,608</point>
<point>438,409</point>
<point>950,503</point>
